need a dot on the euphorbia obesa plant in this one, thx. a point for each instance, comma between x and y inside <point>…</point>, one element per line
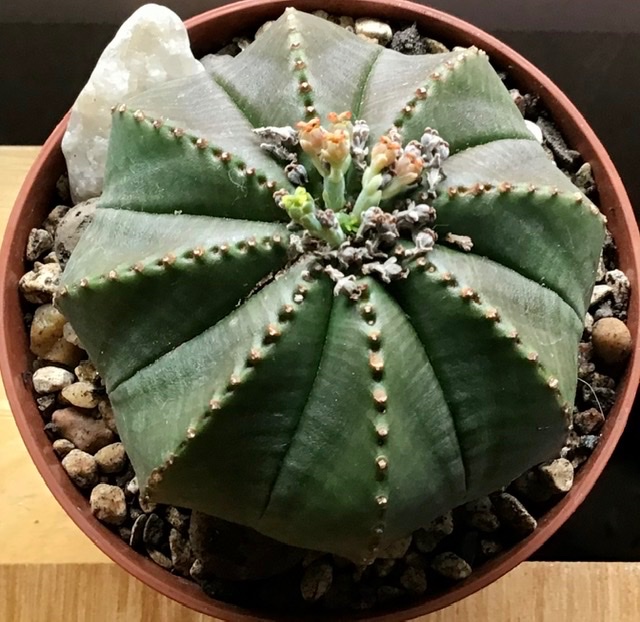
<point>284,343</point>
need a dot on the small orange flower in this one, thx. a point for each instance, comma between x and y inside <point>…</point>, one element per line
<point>335,148</point>
<point>384,153</point>
<point>340,120</point>
<point>408,168</point>
<point>311,135</point>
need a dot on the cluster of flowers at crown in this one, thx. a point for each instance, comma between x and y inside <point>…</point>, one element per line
<point>349,232</point>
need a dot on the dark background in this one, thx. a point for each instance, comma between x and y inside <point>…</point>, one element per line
<point>591,48</point>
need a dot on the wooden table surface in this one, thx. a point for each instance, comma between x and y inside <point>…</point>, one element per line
<point>51,572</point>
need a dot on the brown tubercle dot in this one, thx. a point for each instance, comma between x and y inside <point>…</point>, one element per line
<point>380,398</point>
<point>225,156</point>
<point>112,275</point>
<point>578,197</point>
<point>276,238</point>
<point>122,108</point>
<point>555,191</point>
<point>477,189</point>
<point>138,267</point>
<point>466,293</point>
<point>436,75</point>
<point>215,405</point>
<point>304,87</point>
<point>191,433</point>
<point>178,132</point>
<point>452,192</point>
<point>374,339</point>
<point>447,278</point>
<point>168,260</point>
<point>513,335</point>
<point>255,356</point>
<point>114,108</point>
<point>139,116</point>
<point>286,312</point>
<point>250,171</point>
<point>505,187</point>
<point>272,333</point>
<point>553,383</point>
<point>294,44</point>
<point>198,252</point>
<point>223,249</point>
<point>382,501</point>
<point>376,363</point>
<point>408,109</point>
<point>299,64</point>
<point>421,93</point>
<point>533,357</point>
<point>493,315</point>
<point>252,242</point>
<point>382,432</point>
<point>202,143</point>
<point>234,382</point>
<point>158,123</point>
<point>367,311</point>
<point>382,463</point>
<point>84,283</point>
<point>271,185</point>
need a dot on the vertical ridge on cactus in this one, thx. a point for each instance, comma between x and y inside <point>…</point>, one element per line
<point>333,409</point>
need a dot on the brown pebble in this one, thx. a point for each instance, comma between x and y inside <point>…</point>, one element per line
<point>611,341</point>
<point>83,431</point>
<point>107,414</point>
<point>86,372</point>
<point>46,337</point>
<point>112,458</point>
<point>81,467</point>
<point>108,504</point>
<point>414,580</point>
<point>588,421</point>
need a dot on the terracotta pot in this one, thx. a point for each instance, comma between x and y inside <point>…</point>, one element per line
<point>208,31</point>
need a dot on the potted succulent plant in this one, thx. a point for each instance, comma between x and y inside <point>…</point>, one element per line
<point>333,291</point>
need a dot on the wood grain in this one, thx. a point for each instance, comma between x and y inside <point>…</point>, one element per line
<point>51,572</point>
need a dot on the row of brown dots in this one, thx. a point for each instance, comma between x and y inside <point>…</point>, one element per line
<point>203,145</point>
<point>438,75</point>
<point>381,425</point>
<point>491,314</point>
<point>169,260</point>
<point>299,66</point>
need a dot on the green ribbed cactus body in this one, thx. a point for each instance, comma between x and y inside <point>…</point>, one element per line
<point>243,387</point>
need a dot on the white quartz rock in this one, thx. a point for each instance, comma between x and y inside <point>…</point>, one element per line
<point>151,47</point>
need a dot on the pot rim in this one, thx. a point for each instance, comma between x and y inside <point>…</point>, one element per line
<point>14,350</point>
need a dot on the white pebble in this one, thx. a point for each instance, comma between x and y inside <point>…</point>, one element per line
<point>108,504</point>
<point>40,284</point>
<point>51,379</point>
<point>374,29</point>
<point>536,132</point>
<point>80,394</point>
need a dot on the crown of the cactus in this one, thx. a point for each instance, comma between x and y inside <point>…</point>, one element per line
<point>242,385</point>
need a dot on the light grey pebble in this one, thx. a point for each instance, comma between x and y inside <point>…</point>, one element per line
<point>108,504</point>
<point>535,130</point>
<point>513,514</point>
<point>600,294</point>
<point>242,42</point>
<point>40,284</point>
<point>414,580</point>
<point>588,323</point>
<point>63,447</point>
<point>52,221</point>
<point>71,227</point>
<point>428,538</point>
<point>80,394</point>
<point>374,29</point>
<point>39,242</point>
<point>137,531</point>
<point>46,403</point>
<point>480,515</point>
<point>583,178</point>
<point>588,421</point>
<point>132,487</point>
<point>112,458</point>
<point>557,475</point>
<point>51,379</point>
<point>159,558</point>
<point>85,371</point>
<point>451,566</point>
<point>81,467</point>
<point>619,283</point>
<point>384,567</point>
<point>82,430</point>
<point>395,550</point>
<point>321,14</point>
<point>347,22</point>
<point>435,47</point>
<point>316,581</point>
<point>181,553</point>
<point>601,273</point>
